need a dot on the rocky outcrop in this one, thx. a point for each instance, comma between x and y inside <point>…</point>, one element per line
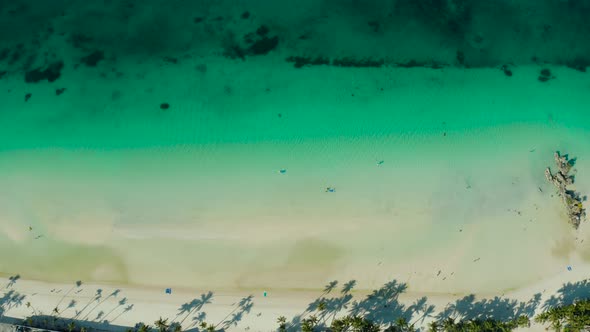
<point>561,180</point>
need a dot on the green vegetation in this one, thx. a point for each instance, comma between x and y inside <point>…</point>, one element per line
<point>282,323</point>
<point>568,318</point>
<point>353,324</point>
<point>161,324</point>
<point>478,325</point>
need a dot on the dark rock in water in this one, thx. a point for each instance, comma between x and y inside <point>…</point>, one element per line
<point>579,64</point>
<point>249,38</point>
<point>506,71</point>
<point>80,41</point>
<point>17,54</point>
<point>300,61</point>
<point>452,17</point>
<point>358,63</point>
<point>375,25</point>
<point>92,59</point>
<point>28,96</point>
<point>234,51</point>
<point>461,57</point>
<point>50,73</point>
<point>198,19</point>
<point>59,91</point>
<point>414,63</point>
<point>245,15</point>
<point>264,45</point>
<point>164,106</point>
<point>170,59</point>
<point>4,54</point>
<point>262,31</point>
<point>2,73</point>
<point>545,75</point>
<point>561,179</point>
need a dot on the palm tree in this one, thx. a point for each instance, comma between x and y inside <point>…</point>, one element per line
<point>207,327</point>
<point>449,324</point>
<point>575,317</point>
<point>161,324</point>
<point>141,327</point>
<point>176,327</point>
<point>30,306</point>
<point>309,324</point>
<point>71,326</point>
<point>433,326</point>
<point>282,323</point>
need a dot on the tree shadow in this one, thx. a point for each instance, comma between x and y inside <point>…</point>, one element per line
<point>12,280</point>
<point>244,306</point>
<point>126,310</point>
<point>9,300</point>
<point>382,305</point>
<point>327,308</point>
<point>96,298</point>
<point>330,286</point>
<point>115,293</point>
<point>121,303</point>
<point>194,307</point>
<point>61,324</point>
<point>57,320</point>
<point>347,288</point>
<point>503,309</point>
<point>568,294</point>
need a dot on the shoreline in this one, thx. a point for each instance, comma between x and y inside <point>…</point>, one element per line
<point>149,303</point>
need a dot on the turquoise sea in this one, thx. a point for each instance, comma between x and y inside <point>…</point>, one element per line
<point>195,159</point>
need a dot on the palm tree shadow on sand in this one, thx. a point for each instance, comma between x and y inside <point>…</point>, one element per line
<point>12,280</point>
<point>382,307</point>
<point>497,308</point>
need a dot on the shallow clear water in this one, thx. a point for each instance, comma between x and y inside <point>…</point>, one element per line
<point>430,168</point>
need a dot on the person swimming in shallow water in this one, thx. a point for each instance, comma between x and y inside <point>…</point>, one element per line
<point>330,189</point>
